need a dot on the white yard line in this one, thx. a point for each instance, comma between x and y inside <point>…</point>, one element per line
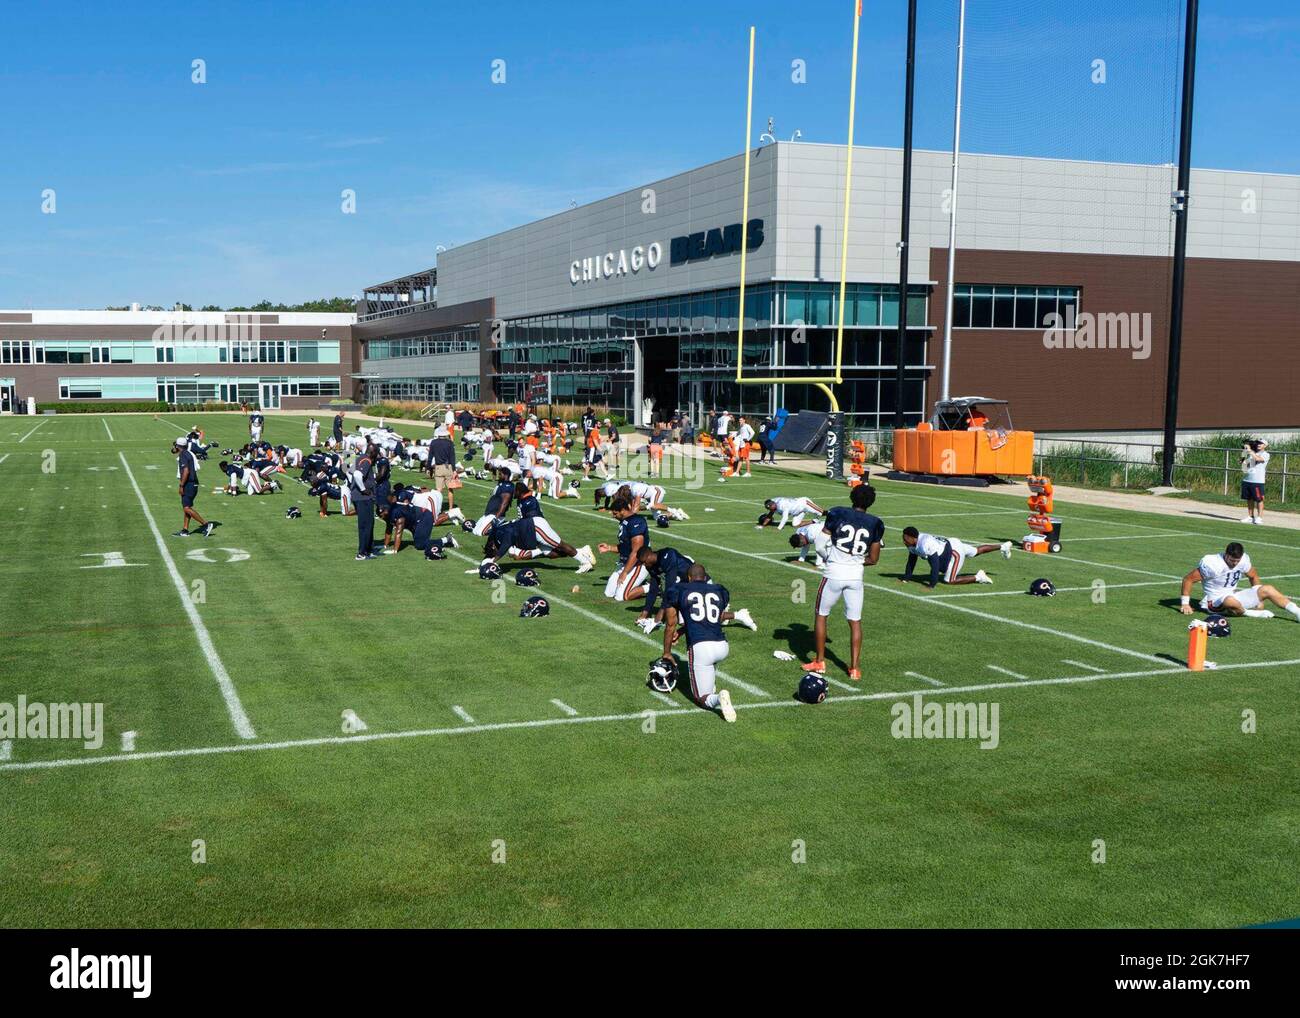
<point>1109,565</point>
<point>924,678</point>
<point>108,429</point>
<point>1109,586</point>
<point>915,597</point>
<point>1085,667</point>
<point>690,711</point>
<point>639,636</point>
<point>1006,671</point>
<point>842,685</point>
<point>462,713</point>
<point>32,432</point>
<point>664,697</point>
<point>4,457</point>
<point>566,708</point>
<point>243,726</point>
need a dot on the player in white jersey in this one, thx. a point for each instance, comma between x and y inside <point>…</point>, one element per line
<point>549,481</point>
<point>291,458</point>
<point>804,540</point>
<point>354,443</point>
<point>946,556</point>
<point>501,463</point>
<point>313,432</point>
<point>849,541</point>
<point>527,455</point>
<point>797,508</point>
<point>1219,576</point>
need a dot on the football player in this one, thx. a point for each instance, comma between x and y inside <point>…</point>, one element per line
<point>341,493</point>
<point>313,432</point>
<point>804,539</point>
<point>946,556</point>
<point>530,538</point>
<point>1219,576</point>
<point>237,475</point>
<point>630,581</point>
<point>849,541</point>
<point>666,568</point>
<point>255,422</point>
<point>498,503</point>
<point>403,516</point>
<point>699,607</point>
<point>797,508</point>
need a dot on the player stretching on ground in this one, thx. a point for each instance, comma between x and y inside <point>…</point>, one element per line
<point>1219,576</point>
<point>700,608</point>
<point>805,538</point>
<point>850,539</point>
<point>797,508</point>
<point>946,556</point>
<point>533,537</point>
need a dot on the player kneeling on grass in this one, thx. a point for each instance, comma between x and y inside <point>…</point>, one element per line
<point>404,516</point>
<point>533,537</point>
<point>698,607</point>
<point>252,481</point>
<point>946,556</point>
<point>1219,576</point>
<point>630,581</point>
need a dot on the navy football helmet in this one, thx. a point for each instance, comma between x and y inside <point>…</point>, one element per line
<point>1042,588</point>
<point>1218,625</point>
<point>527,578</point>
<point>663,675</point>
<point>661,519</point>
<point>467,525</point>
<point>435,554</point>
<point>812,689</point>
<point>293,513</point>
<point>489,570</point>
<point>535,607</point>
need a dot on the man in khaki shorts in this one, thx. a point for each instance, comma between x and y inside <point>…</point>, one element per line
<point>442,454</point>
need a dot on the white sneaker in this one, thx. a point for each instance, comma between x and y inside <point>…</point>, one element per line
<point>745,619</point>
<point>1005,548</point>
<point>586,560</point>
<point>648,626</point>
<point>1259,613</point>
<point>724,705</point>
<point>455,514</point>
<point>1248,519</point>
<point>982,577</point>
<point>514,552</point>
<point>1257,521</point>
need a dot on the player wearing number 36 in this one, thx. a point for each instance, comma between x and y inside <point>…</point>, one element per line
<point>849,541</point>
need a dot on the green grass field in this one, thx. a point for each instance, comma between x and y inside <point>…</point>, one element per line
<point>537,741</point>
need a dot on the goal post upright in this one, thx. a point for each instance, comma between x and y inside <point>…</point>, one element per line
<point>835,452</point>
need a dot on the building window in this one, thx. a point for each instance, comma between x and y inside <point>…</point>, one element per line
<point>998,306</point>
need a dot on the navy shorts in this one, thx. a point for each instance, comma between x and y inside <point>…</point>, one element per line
<point>1251,492</point>
<point>188,494</point>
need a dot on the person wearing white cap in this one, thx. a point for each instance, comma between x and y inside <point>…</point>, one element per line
<point>1254,463</point>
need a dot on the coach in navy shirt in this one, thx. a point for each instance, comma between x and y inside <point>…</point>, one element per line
<point>187,476</point>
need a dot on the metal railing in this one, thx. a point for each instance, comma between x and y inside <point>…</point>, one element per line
<point>1102,463</point>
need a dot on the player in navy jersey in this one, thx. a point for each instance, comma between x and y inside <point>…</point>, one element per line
<point>498,503</point>
<point>849,541</point>
<point>533,537</point>
<point>665,568</point>
<point>408,516</point>
<point>526,500</point>
<point>630,581</point>
<point>699,608</point>
<point>187,484</point>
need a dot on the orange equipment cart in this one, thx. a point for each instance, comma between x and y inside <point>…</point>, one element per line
<point>969,436</point>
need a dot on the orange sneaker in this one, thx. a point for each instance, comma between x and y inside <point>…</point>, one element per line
<point>815,666</point>
<point>855,674</point>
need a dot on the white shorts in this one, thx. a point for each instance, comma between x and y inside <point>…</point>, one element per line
<point>619,591</point>
<point>702,661</point>
<point>546,535</point>
<point>1247,598</point>
<point>831,591</point>
<point>431,500</point>
<point>483,524</point>
<point>255,433</point>
<point>955,563</point>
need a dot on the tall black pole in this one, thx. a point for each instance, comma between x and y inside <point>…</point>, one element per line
<point>1181,202</point>
<point>905,234</point>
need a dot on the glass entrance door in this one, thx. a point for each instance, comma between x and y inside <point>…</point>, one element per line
<point>271,395</point>
<point>6,399</point>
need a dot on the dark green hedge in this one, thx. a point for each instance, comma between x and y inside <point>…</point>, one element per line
<point>136,408</point>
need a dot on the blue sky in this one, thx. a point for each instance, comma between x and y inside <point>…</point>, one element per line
<point>229,192</point>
